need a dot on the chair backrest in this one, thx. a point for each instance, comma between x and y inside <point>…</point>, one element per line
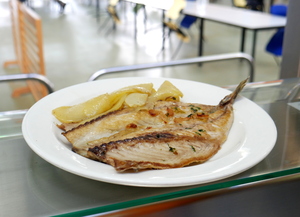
<point>14,14</point>
<point>32,41</point>
<point>239,3</point>
<point>256,5</point>
<point>275,44</point>
<point>187,21</point>
<point>28,43</point>
<point>280,10</point>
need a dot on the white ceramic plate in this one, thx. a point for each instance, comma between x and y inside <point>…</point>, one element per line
<point>250,140</point>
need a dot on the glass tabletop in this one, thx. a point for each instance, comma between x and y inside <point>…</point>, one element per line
<point>38,188</point>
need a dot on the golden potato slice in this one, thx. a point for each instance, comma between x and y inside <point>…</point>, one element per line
<point>82,111</point>
<point>139,88</point>
<point>136,99</point>
<point>99,105</point>
<point>167,91</point>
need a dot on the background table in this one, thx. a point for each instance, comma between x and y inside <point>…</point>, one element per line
<point>238,17</point>
<point>242,18</point>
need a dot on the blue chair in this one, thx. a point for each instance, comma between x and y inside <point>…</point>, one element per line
<point>187,21</point>
<point>280,10</point>
<point>274,46</point>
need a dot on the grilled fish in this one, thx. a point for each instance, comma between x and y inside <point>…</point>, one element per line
<point>162,135</point>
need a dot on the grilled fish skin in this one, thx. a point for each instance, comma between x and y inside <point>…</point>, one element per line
<point>162,135</point>
<point>157,150</point>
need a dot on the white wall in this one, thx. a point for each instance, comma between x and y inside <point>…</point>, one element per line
<point>291,46</point>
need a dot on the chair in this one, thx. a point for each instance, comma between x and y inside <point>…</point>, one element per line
<point>239,3</point>
<point>28,44</point>
<point>187,21</point>
<point>255,5</point>
<point>275,44</point>
<point>280,10</point>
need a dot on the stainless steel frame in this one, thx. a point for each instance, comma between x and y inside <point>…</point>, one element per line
<point>31,76</point>
<point>203,59</point>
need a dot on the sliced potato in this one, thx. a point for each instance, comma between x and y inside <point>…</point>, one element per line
<point>82,111</point>
<point>136,99</point>
<point>119,103</point>
<point>132,96</point>
<point>139,88</point>
<point>116,106</point>
<point>99,105</point>
<point>167,91</point>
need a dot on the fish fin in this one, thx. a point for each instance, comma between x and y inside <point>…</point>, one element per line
<point>231,97</point>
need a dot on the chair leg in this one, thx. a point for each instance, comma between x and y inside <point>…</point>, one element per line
<point>177,49</point>
<point>165,36</point>
<point>145,19</point>
<point>104,25</point>
<point>180,34</point>
<point>113,14</point>
<point>11,62</point>
<point>277,60</point>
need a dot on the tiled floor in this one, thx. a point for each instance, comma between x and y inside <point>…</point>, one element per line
<point>76,45</point>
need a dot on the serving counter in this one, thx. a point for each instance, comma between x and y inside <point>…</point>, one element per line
<point>30,186</point>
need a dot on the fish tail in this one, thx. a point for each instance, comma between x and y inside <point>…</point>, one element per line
<point>231,97</point>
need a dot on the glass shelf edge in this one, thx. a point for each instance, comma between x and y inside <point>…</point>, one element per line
<point>181,193</point>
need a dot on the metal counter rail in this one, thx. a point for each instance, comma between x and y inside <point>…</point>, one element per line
<point>38,188</point>
<point>204,59</point>
<point>30,76</point>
